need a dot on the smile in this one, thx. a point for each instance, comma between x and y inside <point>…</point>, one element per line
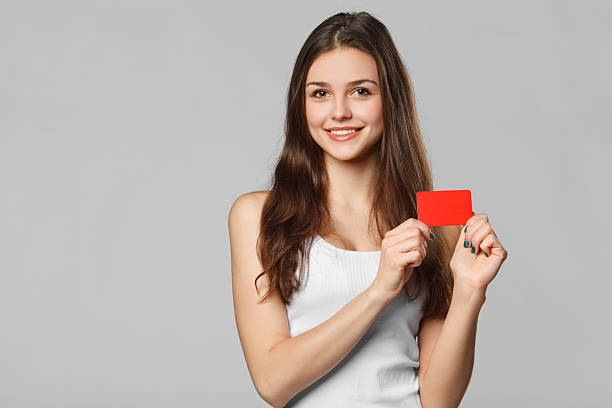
<point>342,135</point>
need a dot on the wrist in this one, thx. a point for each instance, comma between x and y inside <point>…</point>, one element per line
<point>468,294</point>
<point>378,295</point>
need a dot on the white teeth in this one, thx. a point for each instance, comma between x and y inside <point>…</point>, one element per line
<point>343,132</point>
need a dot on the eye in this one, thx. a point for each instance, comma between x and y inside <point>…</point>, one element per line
<point>365,89</point>
<point>314,94</point>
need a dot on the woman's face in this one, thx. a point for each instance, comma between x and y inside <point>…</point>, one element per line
<point>335,99</point>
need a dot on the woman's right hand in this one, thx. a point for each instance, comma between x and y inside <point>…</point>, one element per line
<point>402,248</point>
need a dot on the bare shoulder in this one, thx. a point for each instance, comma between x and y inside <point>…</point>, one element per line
<point>258,195</point>
<point>244,227</point>
<point>251,201</point>
<point>245,212</point>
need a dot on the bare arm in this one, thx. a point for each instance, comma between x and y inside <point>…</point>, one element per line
<point>301,360</point>
<point>449,368</point>
<point>281,366</point>
<point>447,345</point>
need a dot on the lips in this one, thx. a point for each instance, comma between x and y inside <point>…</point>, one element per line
<point>342,138</point>
<point>345,128</point>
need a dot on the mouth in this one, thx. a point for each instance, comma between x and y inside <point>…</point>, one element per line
<point>343,134</point>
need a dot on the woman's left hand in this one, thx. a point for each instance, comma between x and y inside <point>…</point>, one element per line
<point>476,265</point>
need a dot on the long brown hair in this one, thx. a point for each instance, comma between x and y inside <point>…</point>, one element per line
<point>296,206</point>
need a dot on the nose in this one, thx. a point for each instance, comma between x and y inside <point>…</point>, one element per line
<point>341,109</point>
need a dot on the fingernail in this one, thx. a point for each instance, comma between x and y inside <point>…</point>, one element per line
<point>485,253</point>
<point>473,249</point>
<point>466,228</point>
<point>431,235</point>
<point>466,243</point>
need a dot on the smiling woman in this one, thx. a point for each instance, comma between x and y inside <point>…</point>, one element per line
<point>342,207</point>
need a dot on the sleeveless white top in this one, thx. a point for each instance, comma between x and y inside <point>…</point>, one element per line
<point>382,369</point>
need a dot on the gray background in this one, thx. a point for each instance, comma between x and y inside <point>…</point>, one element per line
<point>129,128</point>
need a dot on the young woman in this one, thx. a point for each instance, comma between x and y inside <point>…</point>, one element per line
<point>365,306</point>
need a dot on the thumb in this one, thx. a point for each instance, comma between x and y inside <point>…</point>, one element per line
<point>462,232</point>
<point>461,238</point>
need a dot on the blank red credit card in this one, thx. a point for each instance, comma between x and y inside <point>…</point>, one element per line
<point>444,207</point>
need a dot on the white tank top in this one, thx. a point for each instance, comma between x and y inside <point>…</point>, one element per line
<point>382,369</point>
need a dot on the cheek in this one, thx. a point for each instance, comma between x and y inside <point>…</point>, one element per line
<point>371,112</point>
<point>315,116</point>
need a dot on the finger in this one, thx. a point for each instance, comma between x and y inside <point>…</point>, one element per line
<point>411,258</point>
<point>496,247</point>
<point>461,239</point>
<point>411,223</point>
<point>475,217</point>
<point>471,229</point>
<point>411,244</point>
<point>392,240</point>
<point>476,236</point>
<point>487,244</point>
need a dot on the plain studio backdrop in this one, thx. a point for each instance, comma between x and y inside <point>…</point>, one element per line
<point>128,128</point>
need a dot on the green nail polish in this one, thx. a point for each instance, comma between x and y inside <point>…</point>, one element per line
<point>485,253</point>
<point>466,243</point>
<point>473,249</point>
<point>466,228</point>
<point>431,235</point>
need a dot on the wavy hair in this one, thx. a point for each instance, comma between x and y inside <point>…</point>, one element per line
<point>296,206</point>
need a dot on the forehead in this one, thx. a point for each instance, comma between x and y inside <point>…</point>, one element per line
<point>342,65</point>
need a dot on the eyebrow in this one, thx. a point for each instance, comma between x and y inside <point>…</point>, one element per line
<point>352,83</point>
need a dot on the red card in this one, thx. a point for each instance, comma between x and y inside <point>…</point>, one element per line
<point>445,207</point>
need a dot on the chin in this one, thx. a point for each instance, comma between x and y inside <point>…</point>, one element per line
<point>345,154</point>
